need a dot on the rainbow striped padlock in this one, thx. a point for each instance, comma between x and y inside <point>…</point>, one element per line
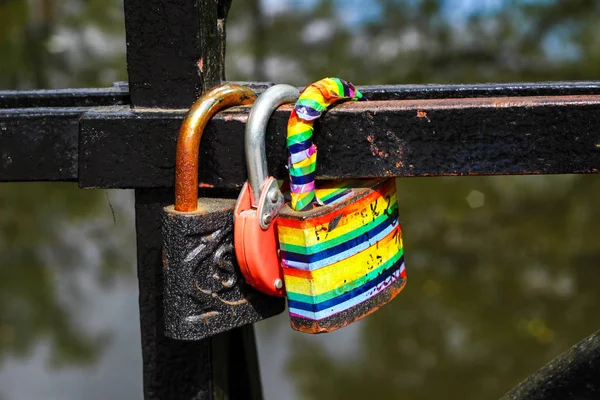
<point>340,244</point>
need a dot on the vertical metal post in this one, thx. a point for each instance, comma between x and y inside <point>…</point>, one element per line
<point>172,369</point>
<point>175,50</point>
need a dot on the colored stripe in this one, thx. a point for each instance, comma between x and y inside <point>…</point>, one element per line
<point>385,192</point>
<point>299,133</point>
<point>333,193</point>
<point>330,189</point>
<point>314,240</point>
<point>344,297</point>
<point>350,285</point>
<point>303,188</point>
<point>342,194</point>
<point>331,85</point>
<point>334,241</point>
<point>311,262</point>
<point>300,137</point>
<point>348,304</point>
<point>299,180</point>
<point>303,170</point>
<point>340,87</point>
<point>308,235</point>
<point>304,203</point>
<point>309,162</point>
<point>303,155</point>
<point>295,148</point>
<point>337,274</point>
<point>326,191</point>
<point>312,104</point>
<point>342,254</point>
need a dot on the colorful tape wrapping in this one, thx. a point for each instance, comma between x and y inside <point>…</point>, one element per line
<point>302,160</point>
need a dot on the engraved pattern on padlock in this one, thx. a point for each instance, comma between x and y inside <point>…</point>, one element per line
<point>204,291</point>
<point>343,259</point>
<point>260,199</point>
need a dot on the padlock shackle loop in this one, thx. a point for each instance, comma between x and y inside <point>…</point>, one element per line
<point>256,129</point>
<point>190,134</point>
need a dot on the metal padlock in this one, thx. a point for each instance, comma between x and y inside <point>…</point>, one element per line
<point>204,291</point>
<point>260,199</point>
<point>342,257</point>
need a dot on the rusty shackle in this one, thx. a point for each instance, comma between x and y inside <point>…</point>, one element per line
<point>188,142</point>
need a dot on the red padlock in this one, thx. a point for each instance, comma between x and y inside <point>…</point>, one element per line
<point>255,232</point>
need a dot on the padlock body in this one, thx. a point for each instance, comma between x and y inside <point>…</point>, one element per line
<point>256,248</point>
<point>343,260</point>
<point>204,290</point>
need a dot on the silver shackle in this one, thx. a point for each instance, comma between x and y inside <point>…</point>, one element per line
<point>256,128</point>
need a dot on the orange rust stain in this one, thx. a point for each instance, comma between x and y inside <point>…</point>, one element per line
<point>422,114</point>
<point>190,135</point>
<point>374,149</point>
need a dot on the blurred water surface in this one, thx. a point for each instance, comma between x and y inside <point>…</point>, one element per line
<point>503,276</point>
<point>502,271</point>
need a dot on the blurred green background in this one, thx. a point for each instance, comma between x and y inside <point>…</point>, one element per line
<point>503,271</point>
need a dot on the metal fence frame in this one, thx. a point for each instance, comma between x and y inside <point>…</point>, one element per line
<point>89,136</point>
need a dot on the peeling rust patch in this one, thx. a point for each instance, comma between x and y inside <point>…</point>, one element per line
<point>422,114</point>
<point>375,149</point>
<point>243,118</point>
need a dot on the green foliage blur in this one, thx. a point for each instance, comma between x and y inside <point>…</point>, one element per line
<point>414,41</point>
<point>51,236</point>
<point>47,229</point>
<point>502,271</point>
<point>61,43</point>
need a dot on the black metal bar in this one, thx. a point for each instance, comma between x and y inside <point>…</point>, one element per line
<point>116,95</point>
<point>572,375</point>
<point>119,93</point>
<point>433,91</point>
<point>124,148</point>
<point>488,136</point>
<point>39,144</point>
<point>173,51</point>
